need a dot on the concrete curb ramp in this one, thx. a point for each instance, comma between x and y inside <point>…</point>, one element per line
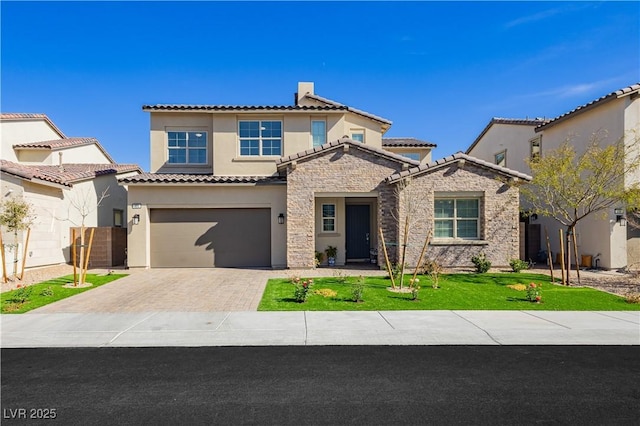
<point>194,329</point>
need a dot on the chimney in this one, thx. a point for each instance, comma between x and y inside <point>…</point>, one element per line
<point>60,166</point>
<point>304,88</point>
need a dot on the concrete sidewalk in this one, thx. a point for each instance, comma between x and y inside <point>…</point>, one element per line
<point>320,328</point>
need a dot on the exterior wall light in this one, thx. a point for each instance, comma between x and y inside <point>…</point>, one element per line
<point>620,216</point>
<point>136,206</point>
<point>136,219</point>
<point>281,219</point>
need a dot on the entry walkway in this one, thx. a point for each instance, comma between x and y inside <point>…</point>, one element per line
<point>321,328</point>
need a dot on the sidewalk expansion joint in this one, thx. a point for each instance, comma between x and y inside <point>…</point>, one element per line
<point>306,329</point>
<point>223,321</point>
<point>478,327</point>
<point>387,321</point>
<point>620,319</point>
<point>547,320</point>
<point>127,329</point>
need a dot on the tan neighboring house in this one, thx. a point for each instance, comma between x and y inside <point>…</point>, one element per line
<point>51,171</point>
<point>611,118</point>
<point>268,186</point>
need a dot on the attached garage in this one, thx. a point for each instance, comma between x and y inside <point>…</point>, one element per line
<point>205,238</point>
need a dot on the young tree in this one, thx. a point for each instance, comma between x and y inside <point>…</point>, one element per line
<point>16,215</point>
<point>569,187</point>
<point>84,205</point>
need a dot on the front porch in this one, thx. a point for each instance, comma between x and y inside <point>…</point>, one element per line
<point>349,223</point>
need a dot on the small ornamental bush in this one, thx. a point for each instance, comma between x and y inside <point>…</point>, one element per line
<point>301,289</point>
<point>518,265</point>
<point>481,263</point>
<point>319,258</point>
<point>47,292</point>
<point>21,295</point>
<point>534,293</point>
<point>357,288</point>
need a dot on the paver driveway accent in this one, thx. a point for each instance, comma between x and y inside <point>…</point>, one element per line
<point>183,290</point>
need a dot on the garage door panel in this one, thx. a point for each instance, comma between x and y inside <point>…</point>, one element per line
<point>210,237</point>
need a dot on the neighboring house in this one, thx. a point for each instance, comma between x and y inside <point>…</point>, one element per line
<point>268,186</point>
<point>51,171</point>
<point>611,118</point>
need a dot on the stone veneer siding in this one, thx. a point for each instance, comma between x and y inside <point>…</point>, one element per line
<point>354,171</point>
<point>499,216</point>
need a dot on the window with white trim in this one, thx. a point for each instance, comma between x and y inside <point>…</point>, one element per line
<point>187,147</point>
<point>536,148</point>
<point>357,135</point>
<point>328,218</point>
<point>318,132</point>
<point>457,218</point>
<point>260,138</point>
<point>501,158</point>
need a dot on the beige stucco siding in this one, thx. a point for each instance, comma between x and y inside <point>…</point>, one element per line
<point>23,131</point>
<point>510,137</point>
<point>79,154</point>
<point>203,196</point>
<point>223,142</point>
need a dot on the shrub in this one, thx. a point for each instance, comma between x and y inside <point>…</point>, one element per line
<point>396,270</point>
<point>534,293</point>
<point>481,263</point>
<point>632,297</point>
<point>21,295</point>
<point>319,258</point>
<point>518,265</point>
<point>357,287</point>
<point>433,269</point>
<point>301,289</point>
<point>414,291</point>
<point>48,292</point>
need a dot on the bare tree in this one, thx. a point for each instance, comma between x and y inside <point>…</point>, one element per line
<point>81,202</point>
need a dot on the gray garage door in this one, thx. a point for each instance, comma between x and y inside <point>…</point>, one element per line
<point>203,238</point>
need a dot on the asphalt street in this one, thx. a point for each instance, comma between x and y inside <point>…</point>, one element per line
<point>322,385</point>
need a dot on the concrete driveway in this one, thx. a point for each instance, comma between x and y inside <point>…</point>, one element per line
<point>183,290</point>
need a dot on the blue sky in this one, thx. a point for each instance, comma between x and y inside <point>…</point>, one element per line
<point>438,70</point>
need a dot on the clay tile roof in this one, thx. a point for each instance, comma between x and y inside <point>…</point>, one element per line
<point>512,121</point>
<point>67,174</point>
<point>435,165</point>
<point>625,91</point>
<point>330,146</point>
<point>407,142</point>
<point>199,178</point>
<point>63,143</point>
<point>236,108</point>
<point>354,110</point>
<point>30,116</point>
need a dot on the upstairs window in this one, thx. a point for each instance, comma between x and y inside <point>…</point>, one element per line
<point>535,148</point>
<point>457,218</point>
<point>318,132</point>
<point>187,147</point>
<point>260,138</point>
<point>501,158</point>
<point>357,135</point>
<point>411,155</point>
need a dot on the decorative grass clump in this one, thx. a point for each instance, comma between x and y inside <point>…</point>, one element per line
<point>489,291</point>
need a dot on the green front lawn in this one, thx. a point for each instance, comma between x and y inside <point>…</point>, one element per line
<point>457,291</point>
<point>37,295</point>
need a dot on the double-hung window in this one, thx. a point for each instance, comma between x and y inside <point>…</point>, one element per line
<point>318,132</point>
<point>457,218</point>
<point>187,147</point>
<point>328,218</point>
<point>260,138</point>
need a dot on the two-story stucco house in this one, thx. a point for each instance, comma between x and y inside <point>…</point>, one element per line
<point>268,186</point>
<point>51,172</point>
<point>610,118</point>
